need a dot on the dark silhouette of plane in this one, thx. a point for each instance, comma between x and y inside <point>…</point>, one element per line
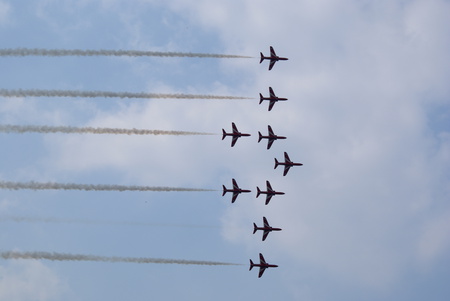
<point>236,190</point>
<point>273,58</point>
<point>269,192</point>
<point>270,138</point>
<point>235,134</point>
<point>266,228</point>
<point>263,265</point>
<point>272,98</point>
<point>287,163</point>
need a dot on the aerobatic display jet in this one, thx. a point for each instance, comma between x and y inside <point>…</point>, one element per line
<point>263,265</point>
<point>270,138</point>
<point>269,193</point>
<point>235,134</point>
<point>272,98</point>
<point>266,228</point>
<point>236,190</point>
<point>273,58</point>
<point>287,163</point>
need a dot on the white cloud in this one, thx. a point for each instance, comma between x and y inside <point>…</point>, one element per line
<point>29,280</point>
<point>359,80</point>
<point>5,12</point>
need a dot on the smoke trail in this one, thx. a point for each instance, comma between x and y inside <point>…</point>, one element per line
<point>88,187</point>
<point>106,94</point>
<point>88,130</point>
<point>80,257</point>
<point>28,219</point>
<point>102,52</point>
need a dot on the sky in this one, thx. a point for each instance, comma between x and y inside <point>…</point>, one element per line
<point>366,217</point>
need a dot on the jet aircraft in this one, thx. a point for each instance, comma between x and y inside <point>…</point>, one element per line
<point>287,163</point>
<point>236,190</point>
<point>266,228</point>
<point>235,134</point>
<point>270,138</point>
<point>273,58</point>
<point>269,193</point>
<point>272,98</point>
<point>263,265</point>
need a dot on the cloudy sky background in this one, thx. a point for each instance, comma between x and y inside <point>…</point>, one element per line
<point>366,218</point>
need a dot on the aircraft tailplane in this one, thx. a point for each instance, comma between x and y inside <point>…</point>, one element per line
<point>276,163</point>
<point>258,191</point>
<point>262,58</point>
<point>224,190</point>
<point>260,137</point>
<point>254,228</point>
<point>261,98</point>
<point>224,134</point>
<point>251,265</point>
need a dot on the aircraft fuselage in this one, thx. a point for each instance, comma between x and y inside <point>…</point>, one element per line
<point>274,137</point>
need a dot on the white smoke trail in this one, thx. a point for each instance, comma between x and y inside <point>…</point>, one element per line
<point>20,129</point>
<point>30,219</point>
<point>54,256</point>
<point>88,187</point>
<point>106,94</point>
<point>103,52</point>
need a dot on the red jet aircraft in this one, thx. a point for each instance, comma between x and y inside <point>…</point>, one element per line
<point>266,228</point>
<point>270,192</point>
<point>271,137</point>
<point>236,190</point>
<point>263,265</point>
<point>272,98</point>
<point>273,58</point>
<point>287,163</point>
<point>235,134</point>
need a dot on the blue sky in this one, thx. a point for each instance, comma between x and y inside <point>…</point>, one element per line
<point>367,216</point>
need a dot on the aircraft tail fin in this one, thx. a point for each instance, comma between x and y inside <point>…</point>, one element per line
<point>224,190</point>
<point>258,191</point>
<point>261,98</point>
<point>260,137</point>
<point>254,228</point>
<point>262,58</point>
<point>251,265</point>
<point>224,134</point>
<point>276,163</point>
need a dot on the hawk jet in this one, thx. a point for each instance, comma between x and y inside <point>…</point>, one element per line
<point>287,163</point>
<point>273,58</point>
<point>270,138</point>
<point>266,228</point>
<point>270,192</point>
<point>236,190</point>
<point>235,134</point>
<point>263,265</point>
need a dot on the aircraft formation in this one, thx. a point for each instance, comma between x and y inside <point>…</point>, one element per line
<point>288,163</point>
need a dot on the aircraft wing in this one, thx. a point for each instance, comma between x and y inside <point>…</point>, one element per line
<point>268,198</point>
<point>235,185</point>
<point>271,93</point>
<point>286,158</point>
<point>261,271</point>
<point>270,131</point>
<point>269,143</point>
<point>233,140</point>
<point>272,62</point>
<point>235,130</point>
<point>265,222</point>
<point>272,51</point>
<point>265,235</point>
<point>235,195</point>
<point>269,187</point>
<point>261,259</point>
<point>286,169</point>
<point>271,103</point>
